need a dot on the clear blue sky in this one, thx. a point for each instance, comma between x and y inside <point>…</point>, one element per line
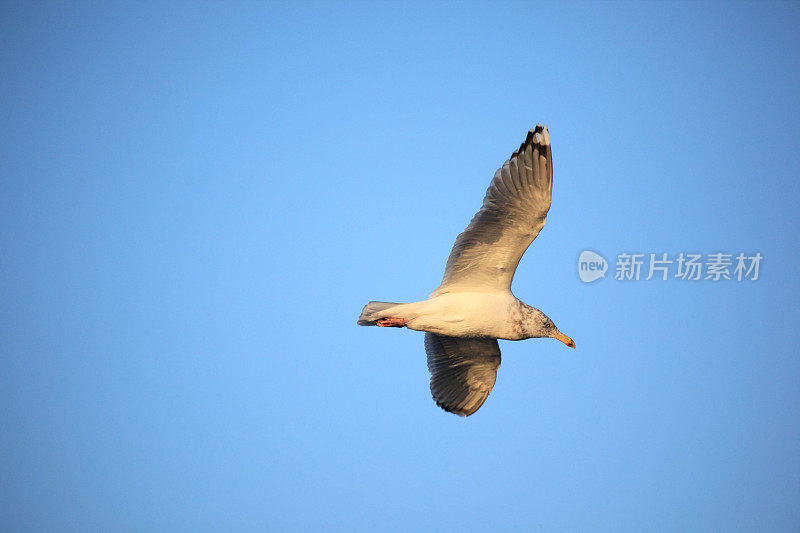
<point>198,198</point>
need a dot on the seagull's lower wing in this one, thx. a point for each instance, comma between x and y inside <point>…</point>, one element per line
<point>514,210</point>
<point>463,371</point>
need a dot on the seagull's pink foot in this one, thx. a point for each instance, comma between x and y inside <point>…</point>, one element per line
<point>391,322</point>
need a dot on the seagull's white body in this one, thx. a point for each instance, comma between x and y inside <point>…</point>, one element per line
<point>464,314</point>
<point>474,306</point>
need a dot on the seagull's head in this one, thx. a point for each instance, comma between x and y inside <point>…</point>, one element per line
<point>537,324</point>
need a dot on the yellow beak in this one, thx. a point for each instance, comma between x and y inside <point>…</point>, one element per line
<point>563,338</point>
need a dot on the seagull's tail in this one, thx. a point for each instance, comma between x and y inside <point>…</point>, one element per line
<point>372,312</point>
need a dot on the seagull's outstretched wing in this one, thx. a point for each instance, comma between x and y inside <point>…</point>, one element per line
<point>463,371</point>
<point>514,210</point>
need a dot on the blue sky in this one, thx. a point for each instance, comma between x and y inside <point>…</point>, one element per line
<point>198,198</point>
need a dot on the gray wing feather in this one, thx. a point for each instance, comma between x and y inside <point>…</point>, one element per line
<point>463,371</point>
<point>486,254</point>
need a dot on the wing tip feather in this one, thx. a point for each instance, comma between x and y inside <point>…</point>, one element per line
<point>532,140</point>
<point>462,410</point>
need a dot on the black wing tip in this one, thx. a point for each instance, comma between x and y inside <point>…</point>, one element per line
<point>532,140</point>
<point>538,129</point>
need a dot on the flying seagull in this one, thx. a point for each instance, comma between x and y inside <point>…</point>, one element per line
<point>474,306</point>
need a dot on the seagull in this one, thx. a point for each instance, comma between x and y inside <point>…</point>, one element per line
<point>473,307</point>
